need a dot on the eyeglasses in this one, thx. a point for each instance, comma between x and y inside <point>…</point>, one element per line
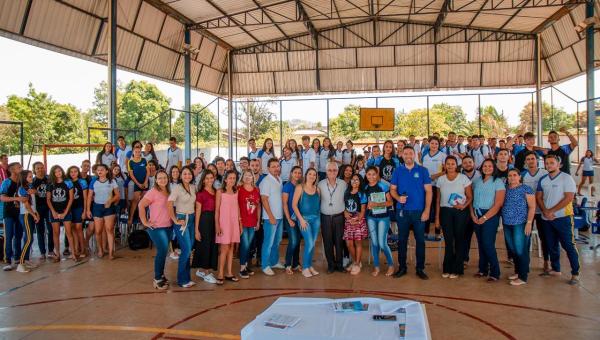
<point>331,170</point>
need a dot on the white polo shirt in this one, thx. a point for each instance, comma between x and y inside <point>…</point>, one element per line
<point>308,155</point>
<point>434,163</point>
<point>554,190</point>
<point>271,187</point>
<point>173,158</point>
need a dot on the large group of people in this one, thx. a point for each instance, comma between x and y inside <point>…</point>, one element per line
<point>205,214</point>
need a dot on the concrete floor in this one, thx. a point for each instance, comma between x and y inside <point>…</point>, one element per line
<point>101,299</point>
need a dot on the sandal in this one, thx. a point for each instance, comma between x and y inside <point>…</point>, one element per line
<point>375,272</point>
<point>219,281</point>
<point>232,278</point>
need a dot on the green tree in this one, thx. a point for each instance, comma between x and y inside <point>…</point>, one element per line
<point>493,123</point>
<point>553,118</point>
<point>347,124</point>
<point>257,118</point>
<point>454,117</point>
<point>415,123</point>
<point>204,124</point>
<point>143,103</point>
<point>45,120</point>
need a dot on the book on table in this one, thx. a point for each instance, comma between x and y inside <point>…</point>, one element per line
<point>281,321</point>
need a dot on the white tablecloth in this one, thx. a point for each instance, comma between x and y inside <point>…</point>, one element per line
<point>319,321</point>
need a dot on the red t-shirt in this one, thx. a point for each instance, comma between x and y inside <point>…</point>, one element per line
<point>206,199</point>
<point>249,202</point>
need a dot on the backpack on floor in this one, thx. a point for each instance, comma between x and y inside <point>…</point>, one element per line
<point>138,239</point>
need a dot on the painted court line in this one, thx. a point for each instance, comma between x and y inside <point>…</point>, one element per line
<point>116,328</point>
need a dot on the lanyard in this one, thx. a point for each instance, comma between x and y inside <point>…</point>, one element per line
<point>331,193</point>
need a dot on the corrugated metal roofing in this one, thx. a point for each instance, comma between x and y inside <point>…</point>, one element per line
<point>479,43</point>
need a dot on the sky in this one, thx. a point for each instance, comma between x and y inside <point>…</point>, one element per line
<point>71,80</point>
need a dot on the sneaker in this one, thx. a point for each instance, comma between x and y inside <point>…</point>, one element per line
<point>188,285</point>
<point>306,273</point>
<point>279,265</point>
<point>453,276</point>
<point>160,284</point>
<point>250,272</point>
<point>210,279</point>
<point>244,274</point>
<point>445,275</point>
<point>268,271</point>
<point>200,274</point>
<point>21,268</point>
<point>513,277</point>
<point>574,280</point>
<point>174,256</point>
<point>517,282</point>
<point>346,262</point>
<point>313,271</point>
<point>553,273</point>
<point>8,267</point>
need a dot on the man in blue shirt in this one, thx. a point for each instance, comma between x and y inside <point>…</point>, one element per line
<point>411,188</point>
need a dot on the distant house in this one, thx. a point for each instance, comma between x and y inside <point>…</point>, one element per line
<point>312,133</point>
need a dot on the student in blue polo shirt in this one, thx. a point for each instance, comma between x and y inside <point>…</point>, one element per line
<point>555,193</point>
<point>411,188</point>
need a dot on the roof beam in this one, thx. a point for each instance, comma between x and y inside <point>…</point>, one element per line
<point>304,17</point>
<point>512,4</point>
<point>479,34</point>
<point>441,16</point>
<point>564,10</point>
<point>186,21</point>
<point>244,18</point>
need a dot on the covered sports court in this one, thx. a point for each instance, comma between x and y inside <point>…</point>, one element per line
<point>261,49</point>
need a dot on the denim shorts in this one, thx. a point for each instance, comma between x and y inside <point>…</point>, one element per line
<point>99,211</point>
<point>588,173</point>
<point>67,218</point>
<point>76,215</point>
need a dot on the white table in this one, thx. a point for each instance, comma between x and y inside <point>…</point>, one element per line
<point>319,321</point>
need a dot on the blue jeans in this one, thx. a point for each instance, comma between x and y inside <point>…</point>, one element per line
<point>518,243</point>
<point>185,245</point>
<point>309,235</point>
<point>378,231</point>
<point>291,253</point>
<point>270,248</point>
<point>486,240</point>
<point>561,230</point>
<point>13,232</point>
<point>160,237</point>
<point>408,218</point>
<point>245,241</point>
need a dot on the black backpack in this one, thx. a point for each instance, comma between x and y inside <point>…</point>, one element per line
<point>138,239</point>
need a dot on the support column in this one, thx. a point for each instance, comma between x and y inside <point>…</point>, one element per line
<point>112,70</point>
<point>479,113</point>
<point>589,75</point>
<point>187,93</point>
<point>538,89</point>
<point>229,106</point>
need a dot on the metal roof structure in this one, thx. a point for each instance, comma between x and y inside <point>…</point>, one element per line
<point>282,47</point>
